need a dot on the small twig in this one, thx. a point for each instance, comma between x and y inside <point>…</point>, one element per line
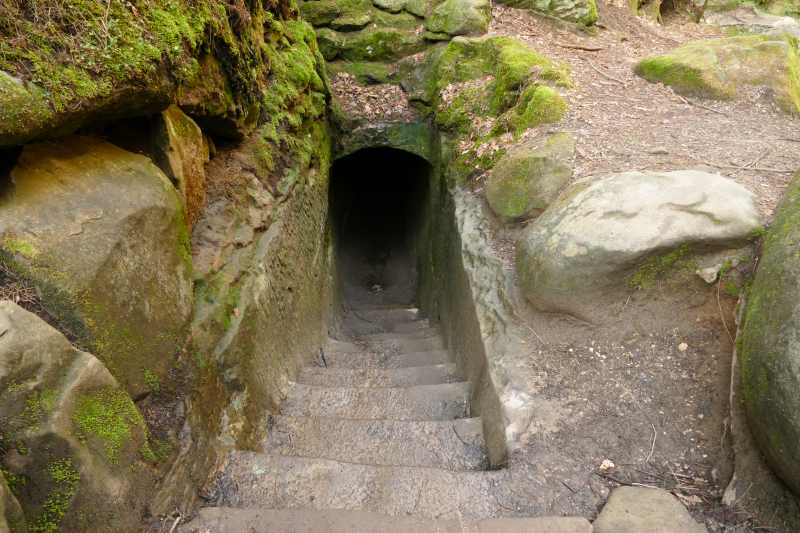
<point>175,524</point>
<point>364,319</point>
<point>580,47</point>
<point>689,102</point>
<point>453,427</point>
<point>606,75</point>
<point>505,507</point>
<point>789,139</point>
<point>614,479</point>
<point>3,332</point>
<point>537,336</point>
<point>521,496</point>
<point>570,488</point>
<point>545,475</point>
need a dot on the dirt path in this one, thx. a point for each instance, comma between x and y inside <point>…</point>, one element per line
<point>649,391</point>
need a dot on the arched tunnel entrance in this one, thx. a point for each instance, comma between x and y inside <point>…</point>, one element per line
<point>378,206</point>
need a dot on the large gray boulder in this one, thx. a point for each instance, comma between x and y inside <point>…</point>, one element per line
<point>529,177</point>
<point>460,17</point>
<point>770,353</point>
<point>72,438</point>
<point>100,233</point>
<point>600,239</point>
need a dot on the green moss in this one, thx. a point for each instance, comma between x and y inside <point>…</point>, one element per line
<point>539,104</point>
<point>654,266</point>
<point>40,404</point>
<point>17,244</point>
<point>670,71</point>
<point>108,415</point>
<point>63,479</point>
<point>794,73</point>
<point>13,482</point>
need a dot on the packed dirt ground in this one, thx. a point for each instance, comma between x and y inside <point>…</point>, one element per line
<point>649,391</point>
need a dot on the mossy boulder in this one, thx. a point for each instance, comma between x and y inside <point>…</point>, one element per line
<point>586,252</point>
<point>176,145</point>
<point>13,518</point>
<point>580,11</point>
<point>101,234</point>
<point>460,17</point>
<point>770,356</point>
<point>365,73</point>
<point>529,177</point>
<point>369,45</point>
<point>73,441</point>
<point>416,7</point>
<point>715,68</point>
<point>320,12</point>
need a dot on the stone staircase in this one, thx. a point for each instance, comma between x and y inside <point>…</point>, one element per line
<point>380,423</point>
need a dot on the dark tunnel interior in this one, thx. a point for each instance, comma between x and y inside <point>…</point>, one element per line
<point>377,207</point>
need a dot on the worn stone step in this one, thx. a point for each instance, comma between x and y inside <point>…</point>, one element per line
<point>396,343</point>
<point>425,402</point>
<point>383,360</point>
<point>253,479</point>
<point>420,334</point>
<point>386,317</point>
<point>453,444</point>
<point>379,377</point>
<point>411,327</point>
<point>230,520</point>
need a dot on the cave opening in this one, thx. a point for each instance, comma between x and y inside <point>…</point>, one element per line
<point>379,216</point>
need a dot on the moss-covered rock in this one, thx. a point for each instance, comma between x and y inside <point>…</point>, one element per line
<point>399,21</point>
<point>320,12</point>
<point>583,255</point>
<point>176,145</point>
<point>76,68</point>
<point>460,17</point>
<point>415,7</point>
<point>769,353</point>
<point>365,73</point>
<point>580,11</point>
<point>715,68</point>
<point>73,442</point>
<point>100,232</point>
<point>529,177</point>
<point>378,44</point>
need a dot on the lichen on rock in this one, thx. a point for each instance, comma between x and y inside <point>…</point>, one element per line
<point>460,17</point>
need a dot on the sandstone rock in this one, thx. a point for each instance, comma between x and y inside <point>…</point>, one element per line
<point>100,233</point>
<point>13,519</point>
<point>369,44</point>
<point>71,437</point>
<point>209,101</point>
<point>177,147</point>
<point>416,7</point>
<point>320,13</point>
<point>641,510</point>
<point>715,68</point>
<point>770,356</point>
<point>528,178</point>
<point>581,11</point>
<point>460,17</point>
<point>598,240</point>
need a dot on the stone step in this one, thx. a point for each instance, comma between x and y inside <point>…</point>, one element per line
<point>446,401</point>
<point>386,317</point>
<point>230,520</point>
<point>411,327</point>
<point>394,343</point>
<point>258,480</point>
<point>420,334</point>
<point>453,444</point>
<point>384,360</point>
<point>379,377</point>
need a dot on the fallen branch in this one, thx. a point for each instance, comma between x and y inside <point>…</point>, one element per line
<point>606,75</point>
<point>762,169</point>
<point>580,47</point>
<point>689,102</point>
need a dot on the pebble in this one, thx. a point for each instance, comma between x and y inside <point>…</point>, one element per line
<point>580,151</point>
<point>683,346</point>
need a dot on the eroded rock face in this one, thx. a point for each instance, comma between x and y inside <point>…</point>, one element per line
<point>12,519</point>
<point>770,355</point>
<point>581,11</point>
<point>460,17</point>
<point>100,233</point>
<point>715,68</point>
<point>528,178</point>
<point>176,144</point>
<point>598,240</point>
<point>73,440</point>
